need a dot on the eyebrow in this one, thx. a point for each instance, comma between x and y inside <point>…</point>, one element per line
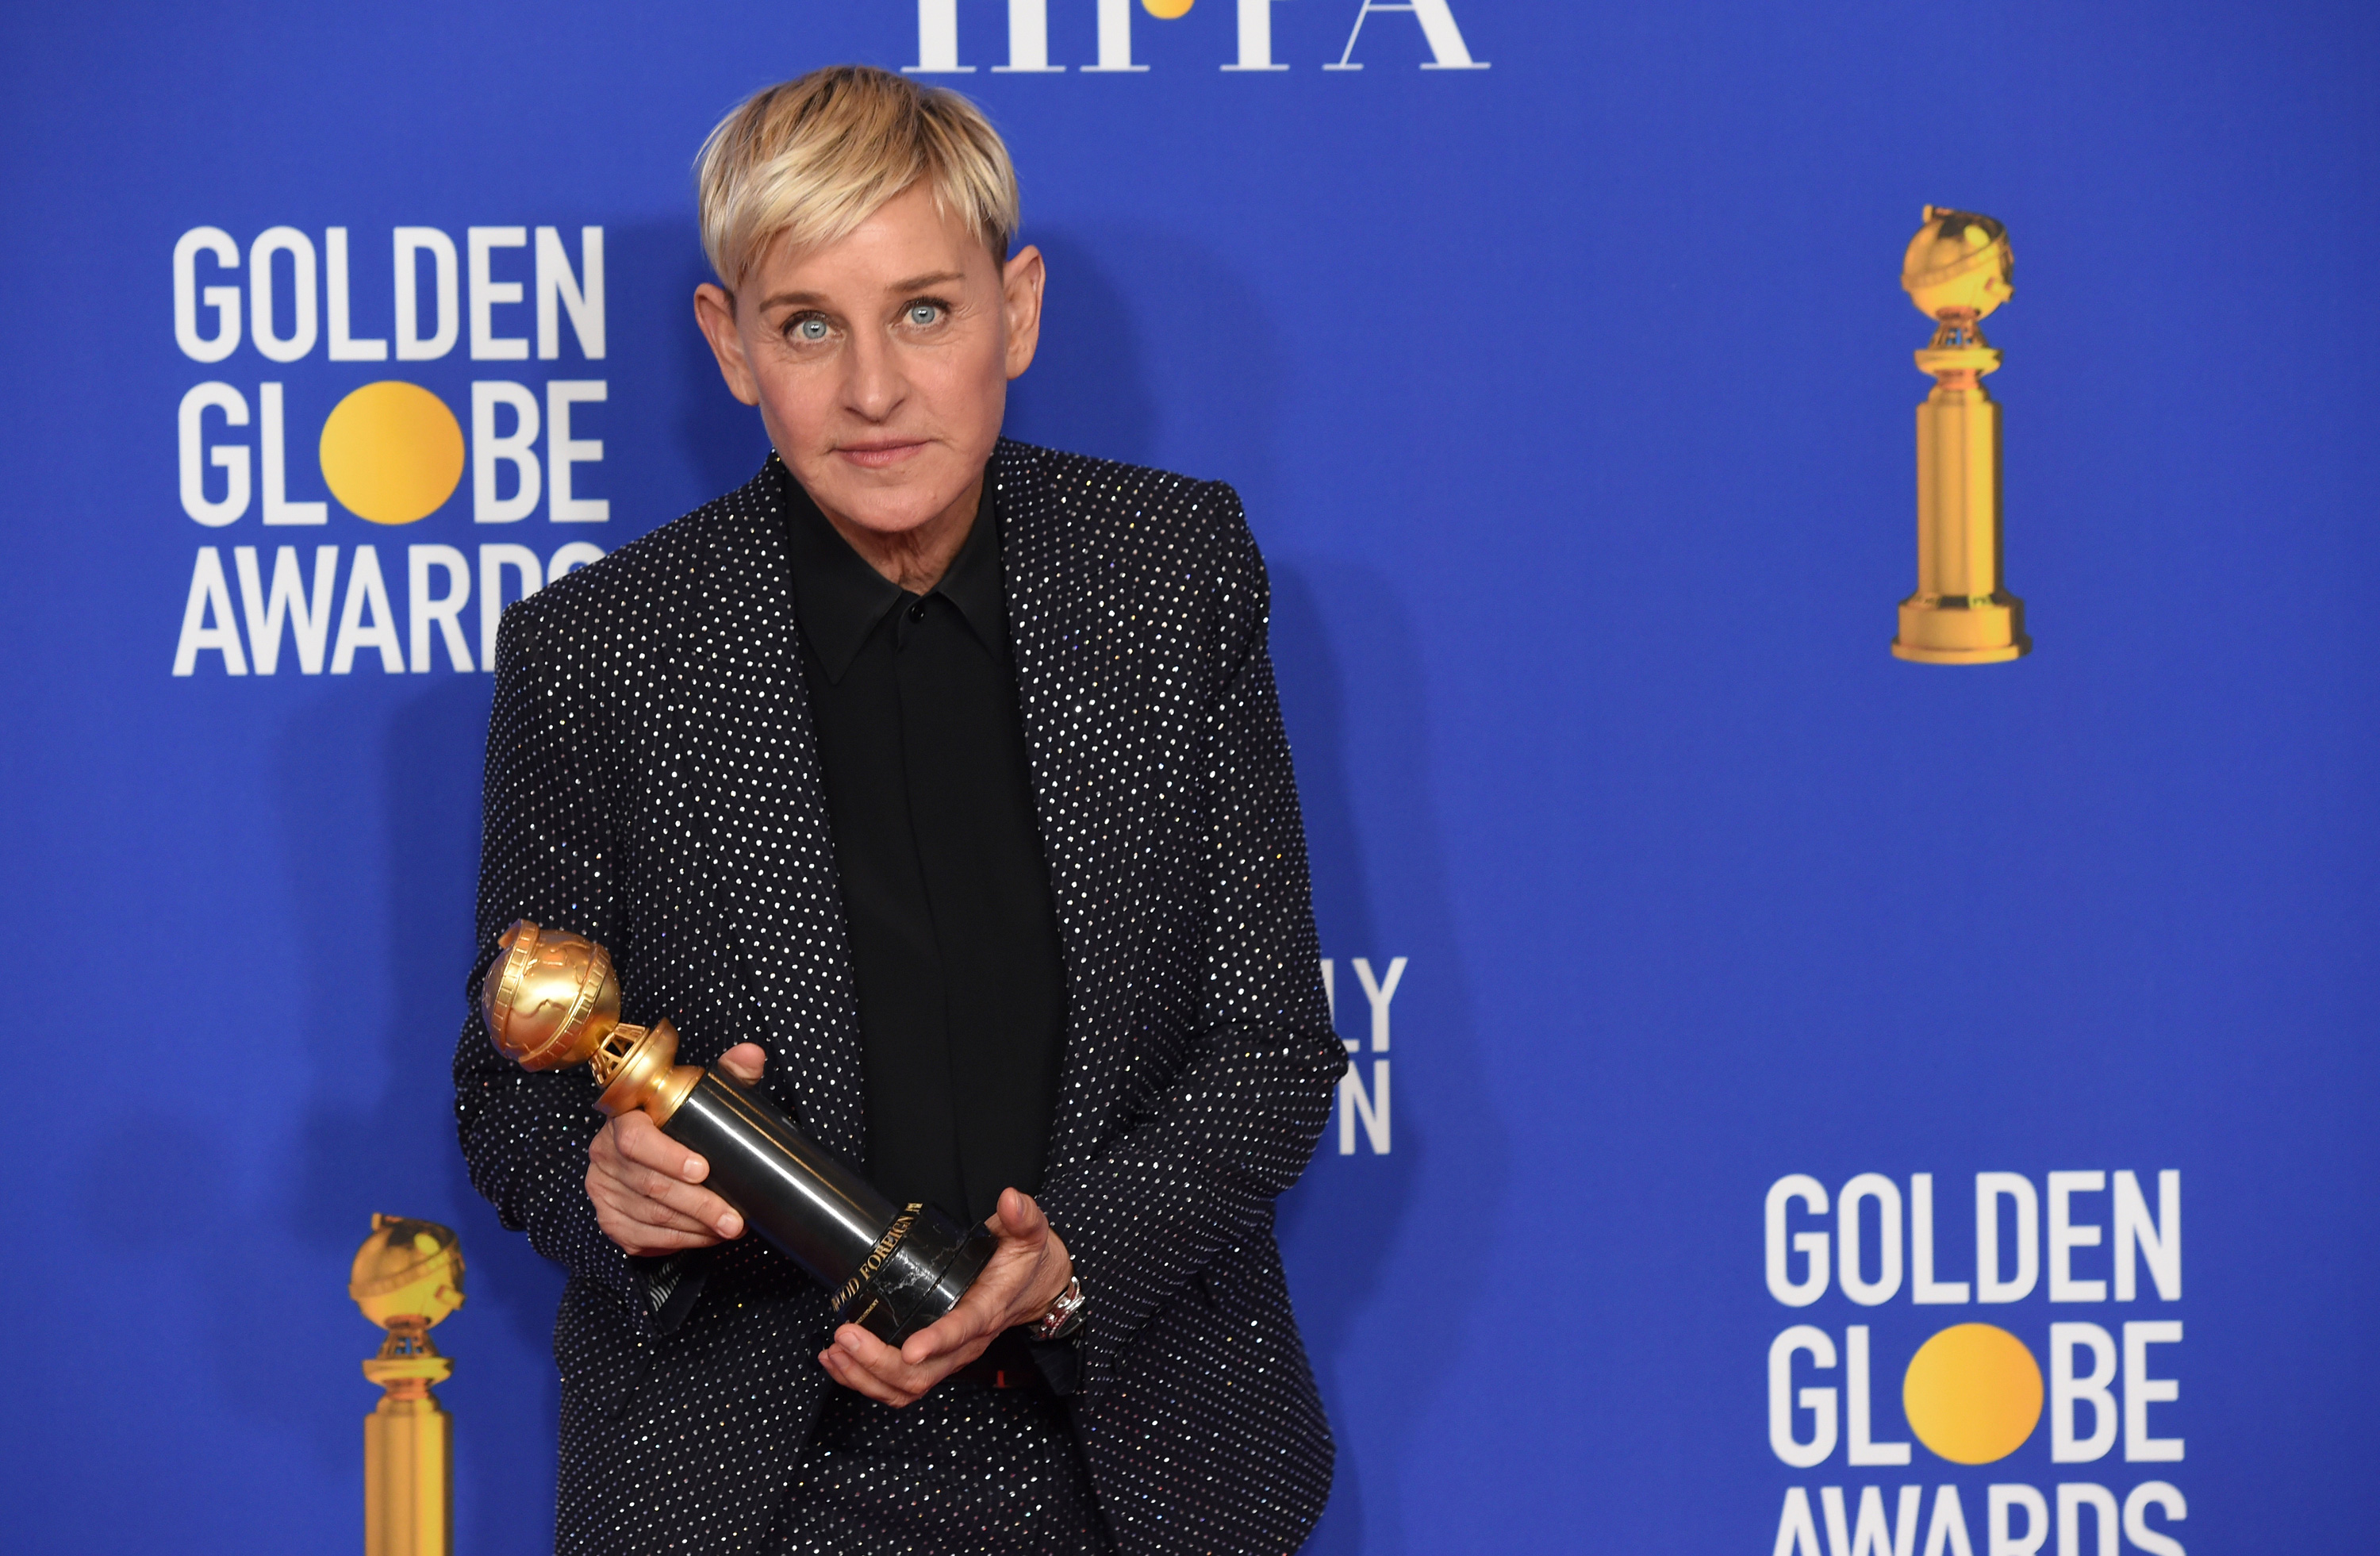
<point>908,284</point>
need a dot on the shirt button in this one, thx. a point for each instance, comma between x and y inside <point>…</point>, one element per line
<point>918,611</point>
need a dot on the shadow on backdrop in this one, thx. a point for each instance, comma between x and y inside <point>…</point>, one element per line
<point>1350,675</point>
<point>1087,391</point>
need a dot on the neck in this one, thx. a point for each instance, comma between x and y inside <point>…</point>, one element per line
<point>916,559</point>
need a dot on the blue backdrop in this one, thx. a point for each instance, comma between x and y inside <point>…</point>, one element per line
<point>1571,398</point>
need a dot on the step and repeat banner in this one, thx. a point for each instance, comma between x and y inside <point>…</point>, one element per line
<point>1803,1104</point>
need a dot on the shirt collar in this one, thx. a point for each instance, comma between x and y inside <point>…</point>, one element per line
<point>839,599</point>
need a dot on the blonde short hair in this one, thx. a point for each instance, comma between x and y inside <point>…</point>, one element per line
<point>807,161</point>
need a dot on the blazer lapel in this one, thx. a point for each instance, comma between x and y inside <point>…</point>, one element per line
<point>767,846</point>
<point>1075,690</point>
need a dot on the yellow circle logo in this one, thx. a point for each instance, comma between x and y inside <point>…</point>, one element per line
<point>1972,1394</point>
<point>1166,10</point>
<point>392,452</point>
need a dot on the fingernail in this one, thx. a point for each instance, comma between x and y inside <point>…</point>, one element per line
<point>693,1166</point>
<point>731,1226</point>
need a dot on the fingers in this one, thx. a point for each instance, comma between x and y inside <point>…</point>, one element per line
<point>640,1142</point>
<point>1024,1275</point>
<point>644,1187</point>
<point>865,1364</point>
<point>745,1061</point>
<point>1018,1215</point>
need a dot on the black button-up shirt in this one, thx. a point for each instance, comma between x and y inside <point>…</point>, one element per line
<point>954,932</point>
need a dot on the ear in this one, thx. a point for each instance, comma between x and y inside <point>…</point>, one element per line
<point>714,314</point>
<point>1020,287</point>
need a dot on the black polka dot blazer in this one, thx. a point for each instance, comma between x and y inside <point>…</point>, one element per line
<point>653,783</point>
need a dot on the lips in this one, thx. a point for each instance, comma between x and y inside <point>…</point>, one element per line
<point>879,456</point>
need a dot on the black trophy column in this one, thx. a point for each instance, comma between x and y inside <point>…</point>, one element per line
<point>891,1269</point>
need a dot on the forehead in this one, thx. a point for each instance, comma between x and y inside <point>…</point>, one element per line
<point>905,240</point>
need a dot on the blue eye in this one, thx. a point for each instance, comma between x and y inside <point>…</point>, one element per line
<point>812,329</point>
<point>924,313</point>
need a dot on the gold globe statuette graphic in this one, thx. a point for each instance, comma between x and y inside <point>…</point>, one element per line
<point>407,1276</point>
<point>552,1000</point>
<point>1958,269</point>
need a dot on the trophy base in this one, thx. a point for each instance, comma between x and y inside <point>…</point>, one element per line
<point>916,1272</point>
<point>1954,629</point>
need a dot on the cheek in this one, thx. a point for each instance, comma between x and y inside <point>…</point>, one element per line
<point>965,386</point>
<point>797,406</point>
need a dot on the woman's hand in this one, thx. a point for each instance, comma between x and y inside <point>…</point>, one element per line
<point>1024,1276</point>
<point>646,1186</point>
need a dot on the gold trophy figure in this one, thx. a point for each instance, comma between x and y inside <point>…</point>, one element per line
<point>552,1001</point>
<point>407,1275</point>
<point>1959,269</point>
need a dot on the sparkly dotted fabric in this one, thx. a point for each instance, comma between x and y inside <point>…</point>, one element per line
<point>653,783</point>
<point>965,1468</point>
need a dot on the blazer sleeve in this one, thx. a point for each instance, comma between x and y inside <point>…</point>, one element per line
<point>1240,1123</point>
<point>541,857</point>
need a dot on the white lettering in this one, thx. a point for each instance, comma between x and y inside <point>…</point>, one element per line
<point>1378,994</point>
<point>494,561</point>
<point>210,601</point>
<point>367,595</point>
<point>1858,1447</point>
<point>1887,1194</point>
<point>489,449</point>
<point>231,458</point>
<point>2165,1498</point>
<point>2065,1236</point>
<point>1999,1502</point>
<point>938,40</point>
<point>1820,1403</point>
<point>1945,1532</point>
<point>1447,50</point>
<point>344,346</point>
<point>1797,1535</point>
<point>479,244</point>
<point>412,345</point>
<point>188,298</point>
<point>569,558</point>
<point>278,509</point>
<point>2141,1391</point>
<point>300,250</point>
<point>1812,1245</point>
<point>1871,1536</point>
<point>561,451</point>
<point>445,610</point>
<point>2073,1498</point>
<point>1028,39</point>
<point>1373,1107</point>
<point>309,626</point>
<point>1115,38</point>
<point>1922,1286</point>
<point>2159,1243</point>
<point>1255,37</point>
<point>2066,1391</point>
<point>558,292</point>
<point>1990,1189</point>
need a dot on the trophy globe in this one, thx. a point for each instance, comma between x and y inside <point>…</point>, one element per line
<point>1958,268</point>
<point>407,1277</point>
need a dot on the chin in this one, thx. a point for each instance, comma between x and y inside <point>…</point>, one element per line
<point>888,505</point>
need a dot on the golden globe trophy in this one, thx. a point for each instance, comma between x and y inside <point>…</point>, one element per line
<point>1957,270</point>
<point>407,1275</point>
<point>552,1001</point>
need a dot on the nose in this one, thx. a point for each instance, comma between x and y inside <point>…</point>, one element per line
<point>874,386</point>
